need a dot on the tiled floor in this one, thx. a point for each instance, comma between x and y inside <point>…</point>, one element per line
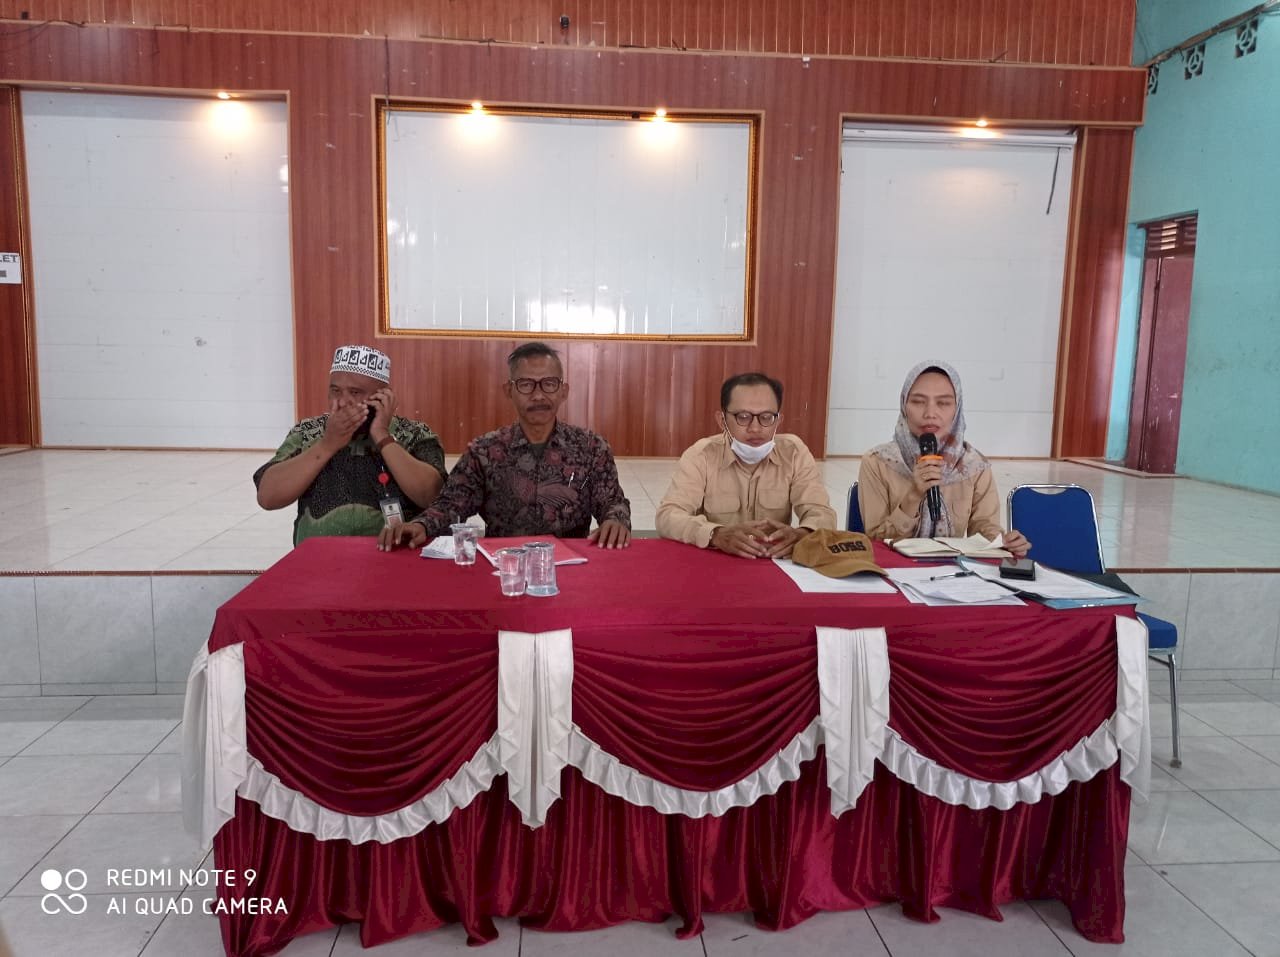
<point>144,511</point>
<point>93,783</point>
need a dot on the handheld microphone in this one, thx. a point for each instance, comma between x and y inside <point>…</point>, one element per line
<point>929,447</point>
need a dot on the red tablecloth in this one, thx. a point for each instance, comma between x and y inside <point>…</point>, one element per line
<point>371,678</point>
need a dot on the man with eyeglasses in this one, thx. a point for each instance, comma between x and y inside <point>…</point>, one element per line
<point>736,491</point>
<point>538,476</point>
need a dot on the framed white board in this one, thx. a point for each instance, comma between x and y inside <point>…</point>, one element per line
<point>622,225</point>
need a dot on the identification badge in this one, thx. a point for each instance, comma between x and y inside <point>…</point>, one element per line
<point>392,513</point>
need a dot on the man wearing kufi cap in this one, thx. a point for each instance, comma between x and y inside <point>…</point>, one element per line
<point>359,463</point>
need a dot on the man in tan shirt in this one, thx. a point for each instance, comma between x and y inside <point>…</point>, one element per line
<point>736,491</point>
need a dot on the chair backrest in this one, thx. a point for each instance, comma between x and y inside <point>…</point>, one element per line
<point>1061,525</point>
<point>853,514</point>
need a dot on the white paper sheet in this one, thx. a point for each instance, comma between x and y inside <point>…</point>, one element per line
<point>808,580</point>
<point>439,547</point>
<point>1050,583</point>
<point>942,585</point>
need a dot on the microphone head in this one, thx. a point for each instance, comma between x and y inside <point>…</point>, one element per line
<point>928,444</point>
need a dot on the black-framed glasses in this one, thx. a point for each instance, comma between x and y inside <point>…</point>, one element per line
<point>550,385</point>
<point>766,419</point>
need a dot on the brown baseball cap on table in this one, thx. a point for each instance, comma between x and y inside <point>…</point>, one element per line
<point>836,554</point>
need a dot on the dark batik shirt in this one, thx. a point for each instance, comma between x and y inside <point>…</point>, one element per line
<point>343,500</point>
<point>523,489</point>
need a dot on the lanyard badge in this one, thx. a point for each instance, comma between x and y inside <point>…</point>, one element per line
<point>392,512</point>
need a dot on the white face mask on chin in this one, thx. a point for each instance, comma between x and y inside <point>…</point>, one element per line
<point>751,454</point>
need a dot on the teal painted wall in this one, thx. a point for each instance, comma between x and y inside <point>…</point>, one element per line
<point>1165,23</point>
<point>1212,145</point>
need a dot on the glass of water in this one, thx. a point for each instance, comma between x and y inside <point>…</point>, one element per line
<point>512,570</point>
<point>542,569</point>
<point>464,544</point>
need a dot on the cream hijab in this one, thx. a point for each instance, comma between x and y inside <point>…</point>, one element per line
<point>960,460</point>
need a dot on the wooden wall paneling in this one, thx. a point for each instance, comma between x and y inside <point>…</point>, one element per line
<point>1028,31</point>
<point>647,398</point>
<point>1086,351</point>
<point>982,32</point>
<point>17,363</point>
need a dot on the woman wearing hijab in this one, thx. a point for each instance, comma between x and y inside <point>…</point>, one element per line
<point>894,478</point>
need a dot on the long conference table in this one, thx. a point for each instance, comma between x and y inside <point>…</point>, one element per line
<point>381,738</point>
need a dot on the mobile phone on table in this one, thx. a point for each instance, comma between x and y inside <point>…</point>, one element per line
<point>1021,568</point>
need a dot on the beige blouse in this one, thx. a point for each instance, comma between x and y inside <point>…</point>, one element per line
<point>974,503</point>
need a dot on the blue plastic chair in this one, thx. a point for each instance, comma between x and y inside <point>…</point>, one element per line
<point>1062,526</point>
<point>853,514</point>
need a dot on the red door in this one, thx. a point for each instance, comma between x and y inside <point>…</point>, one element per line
<point>1155,411</point>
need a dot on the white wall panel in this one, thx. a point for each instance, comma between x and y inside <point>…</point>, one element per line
<point>160,256</point>
<point>549,224</point>
<point>949,249</point>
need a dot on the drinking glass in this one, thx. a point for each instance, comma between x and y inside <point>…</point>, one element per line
<point>464,544</point>
<point>512,570</point>
<point>542,569</point>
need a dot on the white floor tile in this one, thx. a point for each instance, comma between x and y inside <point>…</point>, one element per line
<point>1237,717</point>
<point>16,735</point>
<point>190,935</point>
<point>60,785</point>
<point>961,934</point>
<point>1259,811</point>
<point>171,744</point>
<point>25,840</point>
<point>635,939</point>
<point>43,708</point>
<point>1268,688</point>
<point>110,558</point>
<point>95,932</point>
<point>256,558</point>
<point>1212,689</point>
<point>1158,922</point>
<point>103,736</point>
<point>1180,827</point>
<point>1161,780</point>
<point>1218,763</point>
<point>126,707</point>
<point>1235,896</point>
<point>1266,745</point>
<point>823,935</point>
<point>155,785</point>
<point>103,843</point>
<point>1189,726</point>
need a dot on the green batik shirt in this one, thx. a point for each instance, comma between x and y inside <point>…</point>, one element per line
<point>343,499</point>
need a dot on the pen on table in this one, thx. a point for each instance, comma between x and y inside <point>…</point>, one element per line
<point>952,575</point>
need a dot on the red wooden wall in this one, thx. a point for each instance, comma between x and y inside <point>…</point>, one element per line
<point>647,398</point>
<point>1086,32</point>
<point>17,399</point>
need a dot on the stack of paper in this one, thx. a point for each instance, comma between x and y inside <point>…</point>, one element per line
<point>1056,589</point>
<point>439,547</point>
<point>564,554</point>
<point>949,585</point>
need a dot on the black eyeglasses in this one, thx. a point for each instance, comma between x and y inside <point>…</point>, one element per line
<point>744,418</point>
<point>551,384</point>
